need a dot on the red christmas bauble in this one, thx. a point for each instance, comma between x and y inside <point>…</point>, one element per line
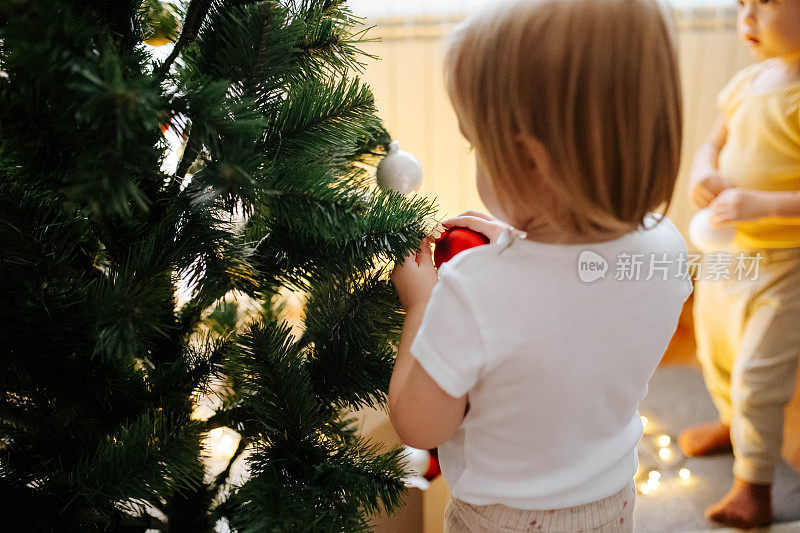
<point>433,467</point>
<point>454,241</point>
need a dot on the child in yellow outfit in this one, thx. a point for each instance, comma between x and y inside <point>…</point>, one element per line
<point>748,330</point>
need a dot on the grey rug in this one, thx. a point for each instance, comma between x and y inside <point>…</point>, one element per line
<point>677,399</point>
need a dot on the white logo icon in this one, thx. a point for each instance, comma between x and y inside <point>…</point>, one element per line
<point>591,266</point>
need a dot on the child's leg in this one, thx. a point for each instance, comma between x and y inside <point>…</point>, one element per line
<point>719,311</point>
<point>609,515</point>
<point>763,379</point>
<point>764,374</point>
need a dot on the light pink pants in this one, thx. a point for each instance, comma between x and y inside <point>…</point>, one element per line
<point>609,515</point>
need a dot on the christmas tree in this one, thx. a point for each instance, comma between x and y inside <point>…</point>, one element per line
<point>103,357</point>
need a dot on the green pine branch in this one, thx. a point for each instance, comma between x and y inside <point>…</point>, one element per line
<point>324,122</point>
<point>351,324</point>
<point>102,366</point>
<point>389,228</point>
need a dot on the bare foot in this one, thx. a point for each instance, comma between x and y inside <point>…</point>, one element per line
<point>746,506</point>
<point>706,439</point>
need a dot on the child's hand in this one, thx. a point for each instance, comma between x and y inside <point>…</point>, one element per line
<point>482,223</point>
<point>740,205</point>
<point>415,277</point>
<point>704,189</point>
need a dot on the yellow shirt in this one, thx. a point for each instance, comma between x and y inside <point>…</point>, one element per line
<point>762,151</point>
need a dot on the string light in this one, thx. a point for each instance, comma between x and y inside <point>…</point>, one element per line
<point>660,461</point>
<point>650,486</point>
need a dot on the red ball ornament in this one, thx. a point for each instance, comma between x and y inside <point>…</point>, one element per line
<point>434,470</point>
<point>454,241</point>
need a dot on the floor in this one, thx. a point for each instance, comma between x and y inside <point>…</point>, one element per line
<point>677,398</point>
<point>681,509</point>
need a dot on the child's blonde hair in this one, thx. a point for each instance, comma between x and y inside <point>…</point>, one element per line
<point>595,84</point>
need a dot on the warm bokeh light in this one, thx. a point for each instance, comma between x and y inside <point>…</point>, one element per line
<point>664,440</point>
<point>202,412</point>
<point>221,443</point>
<point>665,453</point>
<point>684,473</point>
<point>654,474</point>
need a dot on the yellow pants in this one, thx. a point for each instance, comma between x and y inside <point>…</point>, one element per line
<point>609,515</point>
<point>748,341</point>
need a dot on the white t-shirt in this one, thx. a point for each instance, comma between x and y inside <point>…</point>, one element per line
<point>555,364</point>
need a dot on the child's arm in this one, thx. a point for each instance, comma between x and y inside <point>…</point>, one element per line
<point>705,182</point>
<point>746,205</point>
<point>731,205</point>
<point>787,205</point>
<point>423,415</point>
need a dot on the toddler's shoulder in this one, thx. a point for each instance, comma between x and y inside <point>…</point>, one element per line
<point>472,261</point>
<point>482,268</point>
<point>666,232</point>
<point>667,239</point>
<point>734,89</point>
<point>748,71</point>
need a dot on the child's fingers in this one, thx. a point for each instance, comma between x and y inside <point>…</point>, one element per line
<point>715,188</point>
<point>454,221</point>
<point>398,265</point>
<point>705,193</point>
<point>425,245</point>
<point>424,248</point>
<point>715,185</point>
<point>701,197</point>
<point>477,214</point>
<point>720,216</point>
<point>721,221</point>
<point>468,221</point>
<point>425,253</point>
<point>699,201</point>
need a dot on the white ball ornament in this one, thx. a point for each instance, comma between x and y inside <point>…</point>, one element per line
<point>417,460</point>
<point>399,171</point>
<point>707,237</point>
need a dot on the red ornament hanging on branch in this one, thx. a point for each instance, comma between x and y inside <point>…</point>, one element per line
<point>454,241</point>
